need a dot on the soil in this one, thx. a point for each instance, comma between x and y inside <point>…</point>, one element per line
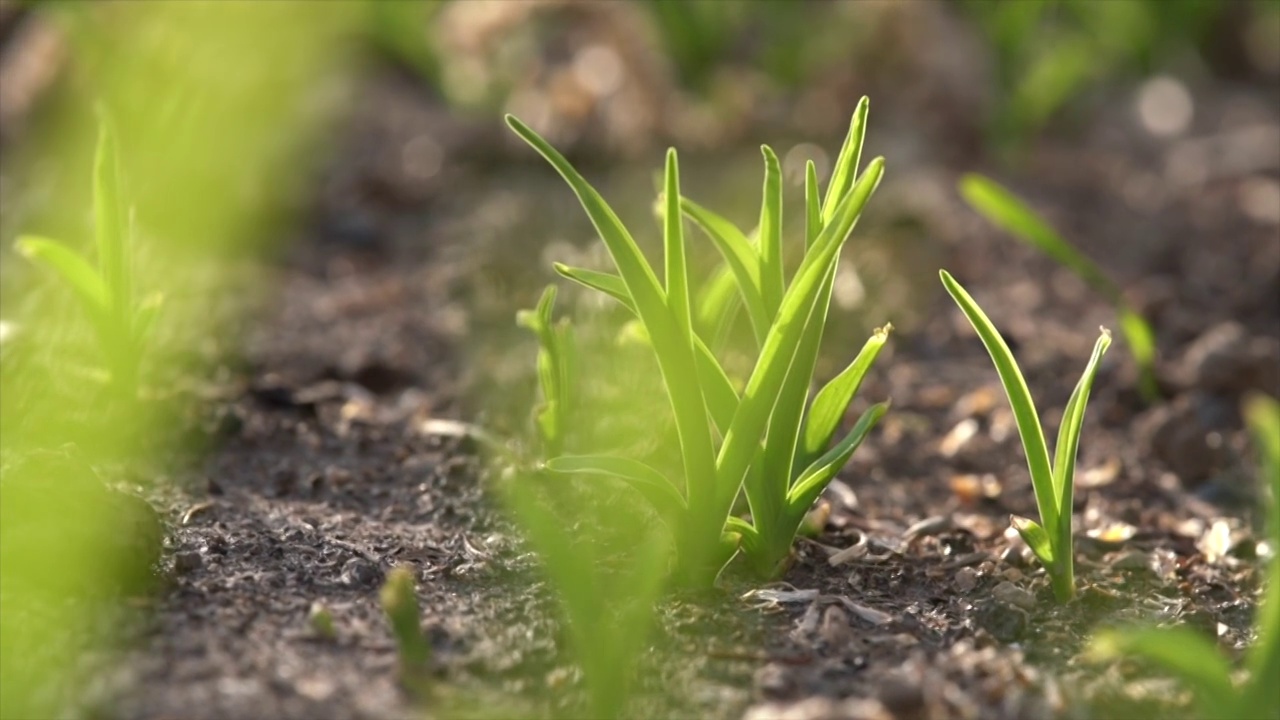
<point>343,443</point>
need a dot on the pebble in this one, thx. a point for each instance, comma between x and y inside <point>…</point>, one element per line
<point>187,561</point>
<point>1226,359</point>
<point>774,682</point>
<point>1178,436</point>
<point>834,628</point>
<point>966,579</point>
<point>358,572</point>
<point>1007,592</point>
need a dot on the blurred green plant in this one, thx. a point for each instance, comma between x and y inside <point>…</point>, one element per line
<point>1049,51</point>
<point>556,368</point>
<point>1193,658</point>
<point>1008,212</point>
<point>121,324</point>
<point>607,569</point>
<point>766,441</point>
<point>1051,539</point>
<point>400,604</point>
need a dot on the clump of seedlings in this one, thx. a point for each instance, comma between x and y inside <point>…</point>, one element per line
<point>767,439</point>
<point>1050,539</point>
<point>121,323</point>
<point>400,604</point>
<point>1006,211</point>
<point>1193,658</point>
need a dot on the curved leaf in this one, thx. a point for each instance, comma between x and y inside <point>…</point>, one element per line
<point>70,266</point>
<point>815,479</point>
<point>772,276</point>
<point>831,403</point>
<point>1024,409</point>
<point>846,167</point>
<point>1035,537</point>
<point>741,258</point>
<point>653,485</point>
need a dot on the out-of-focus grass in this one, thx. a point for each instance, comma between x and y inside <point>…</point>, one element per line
<point>218,105</point>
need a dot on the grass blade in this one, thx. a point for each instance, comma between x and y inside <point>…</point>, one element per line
<point>677,271</point>
<point>812,206</point>
<point>772,275</point>
<point>1024,409</point>
<point>717,307</point>
<point>1181,652</point>
<point>741,258</point>
<point>1262,415</point>
<point>818,475</point>
<point>69,266</point>
<point>1064,461</point>
<point>108,218</point>
<point>832,401</point>
<point>604,282</point>
<point>1007,211</point>
<point>653,485</point>
<point>846,168</point>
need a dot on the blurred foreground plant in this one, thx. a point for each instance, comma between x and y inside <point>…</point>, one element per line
<point>1194,659</point>
<point>1006,211</point>
<point>1050,540</point>
<point>765,438</point>
<point>106,292</point>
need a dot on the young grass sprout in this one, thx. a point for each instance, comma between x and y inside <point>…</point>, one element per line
<point>105,293</point>
<point>1193,658</point>
<point>759,438</point>
<point>1006,211</point>
<point>1050,540</point>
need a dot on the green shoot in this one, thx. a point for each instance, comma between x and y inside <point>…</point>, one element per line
<point>761,436</point>
<point>1006,211</point>
<point>608,606</point>
<point>1190,656</point>
<point>400,604</point>
<point>555,367</point>
<point>1051,539</point>
<point>105,293</point>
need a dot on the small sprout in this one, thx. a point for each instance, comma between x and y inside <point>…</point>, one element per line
<point>1054,483</point>
<point>121,323</point>
<point>321,622</point>
<point>1010,213</point>
<point>1195,659</point>
<point>400,604</point>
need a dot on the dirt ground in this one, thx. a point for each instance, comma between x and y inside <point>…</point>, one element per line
<point>392,314</point>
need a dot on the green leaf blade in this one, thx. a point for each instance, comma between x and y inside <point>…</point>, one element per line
<point>846,167</point>
<point>71,267</point>
<point>1024,409</point>
<point>665,497</point>
<point>822,471</point>
<point>832,401</point>
<point>772,274</point>
<point>677,271</point>
<point>741,258</point>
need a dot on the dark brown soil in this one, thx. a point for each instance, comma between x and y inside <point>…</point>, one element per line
<point>397,309</point>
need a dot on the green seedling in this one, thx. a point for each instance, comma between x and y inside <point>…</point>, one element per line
<point>400,604</point>
<point>555,368</point>
<point>607,598</point>
<point>105,292</point>
<point>1006,211</point>
<point>1050,540</point>
<point>321,622</point>
<point>1193,658</point>
<point>760,437</point>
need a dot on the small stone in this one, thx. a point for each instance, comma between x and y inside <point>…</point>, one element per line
<point>1007,592</point>
<point>774,682</point>
<point>187,561</point>
<point>1226,359</point>
<point>966,579</point>
<point>834,628</point>
<point>358,572</point>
